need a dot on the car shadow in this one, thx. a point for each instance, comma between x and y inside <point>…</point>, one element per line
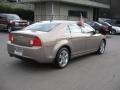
<point>31,66</point>
<point>82,58</point>
<point>34,66</point>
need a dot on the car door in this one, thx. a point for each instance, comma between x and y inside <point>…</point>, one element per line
<point>92,39</point>
<point>77,39</point>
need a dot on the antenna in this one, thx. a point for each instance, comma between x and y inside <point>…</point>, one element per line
<point>52,18</point>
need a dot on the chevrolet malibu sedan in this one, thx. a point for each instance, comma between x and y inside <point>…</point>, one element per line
<point>55,42</point>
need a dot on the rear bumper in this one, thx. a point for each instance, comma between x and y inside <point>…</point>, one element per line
<point>31,53</point>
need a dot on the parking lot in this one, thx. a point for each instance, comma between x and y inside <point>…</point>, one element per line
<point>91,72</point>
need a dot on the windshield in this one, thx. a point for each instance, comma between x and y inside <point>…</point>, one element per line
<point>45,27</point>
<point>13,17</point>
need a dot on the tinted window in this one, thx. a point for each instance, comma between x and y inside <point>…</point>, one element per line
<point>42,26</point>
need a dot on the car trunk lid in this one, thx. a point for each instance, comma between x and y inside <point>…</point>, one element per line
<point>23,38</point>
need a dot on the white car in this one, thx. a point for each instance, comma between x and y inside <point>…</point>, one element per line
<point>115,30</point>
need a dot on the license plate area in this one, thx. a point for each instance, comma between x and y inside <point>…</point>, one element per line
<point>18,51</point>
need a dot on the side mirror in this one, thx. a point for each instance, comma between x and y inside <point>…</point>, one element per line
<point>93,32</point>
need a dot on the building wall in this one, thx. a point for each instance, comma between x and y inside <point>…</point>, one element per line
<point>115,8</point>
<point>43,11</point>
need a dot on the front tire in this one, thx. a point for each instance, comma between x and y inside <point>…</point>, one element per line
<point>102,46</point>
<point>62,58</point>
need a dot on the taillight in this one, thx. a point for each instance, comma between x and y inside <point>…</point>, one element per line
<point>11,37</point>
<point>35,42</point>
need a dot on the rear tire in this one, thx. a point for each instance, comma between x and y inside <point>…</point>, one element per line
<point>62,58</point>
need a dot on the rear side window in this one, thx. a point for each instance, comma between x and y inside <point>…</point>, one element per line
<point>45,27</point>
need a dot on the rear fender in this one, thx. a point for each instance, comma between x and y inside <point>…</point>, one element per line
<point>59,45</point>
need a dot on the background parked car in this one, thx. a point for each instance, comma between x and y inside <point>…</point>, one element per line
<point>12,22</point>
<point>99,27</point>
<point>115,27</point>
<point>55,42</point>
<point>107,25</point>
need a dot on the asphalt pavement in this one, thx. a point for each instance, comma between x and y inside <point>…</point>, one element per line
<point>90,72</point>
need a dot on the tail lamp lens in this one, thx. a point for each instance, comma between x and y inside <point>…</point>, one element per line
<point>35,42</point>
<point>11,37</point>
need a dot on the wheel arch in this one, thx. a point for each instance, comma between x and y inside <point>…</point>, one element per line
<point>63,46</point>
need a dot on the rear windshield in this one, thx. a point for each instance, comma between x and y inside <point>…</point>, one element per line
<point>45,27</point>
<point>13,17</point>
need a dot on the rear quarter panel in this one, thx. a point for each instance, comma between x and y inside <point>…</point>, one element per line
<point>54,40</point>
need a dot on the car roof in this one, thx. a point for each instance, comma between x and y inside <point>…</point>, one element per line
<point>58,21</point>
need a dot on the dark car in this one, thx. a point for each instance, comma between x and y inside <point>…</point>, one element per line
<point>99,27</point>
<point>115,26</point>
<point>107,25</point>
<point>12,22</point>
